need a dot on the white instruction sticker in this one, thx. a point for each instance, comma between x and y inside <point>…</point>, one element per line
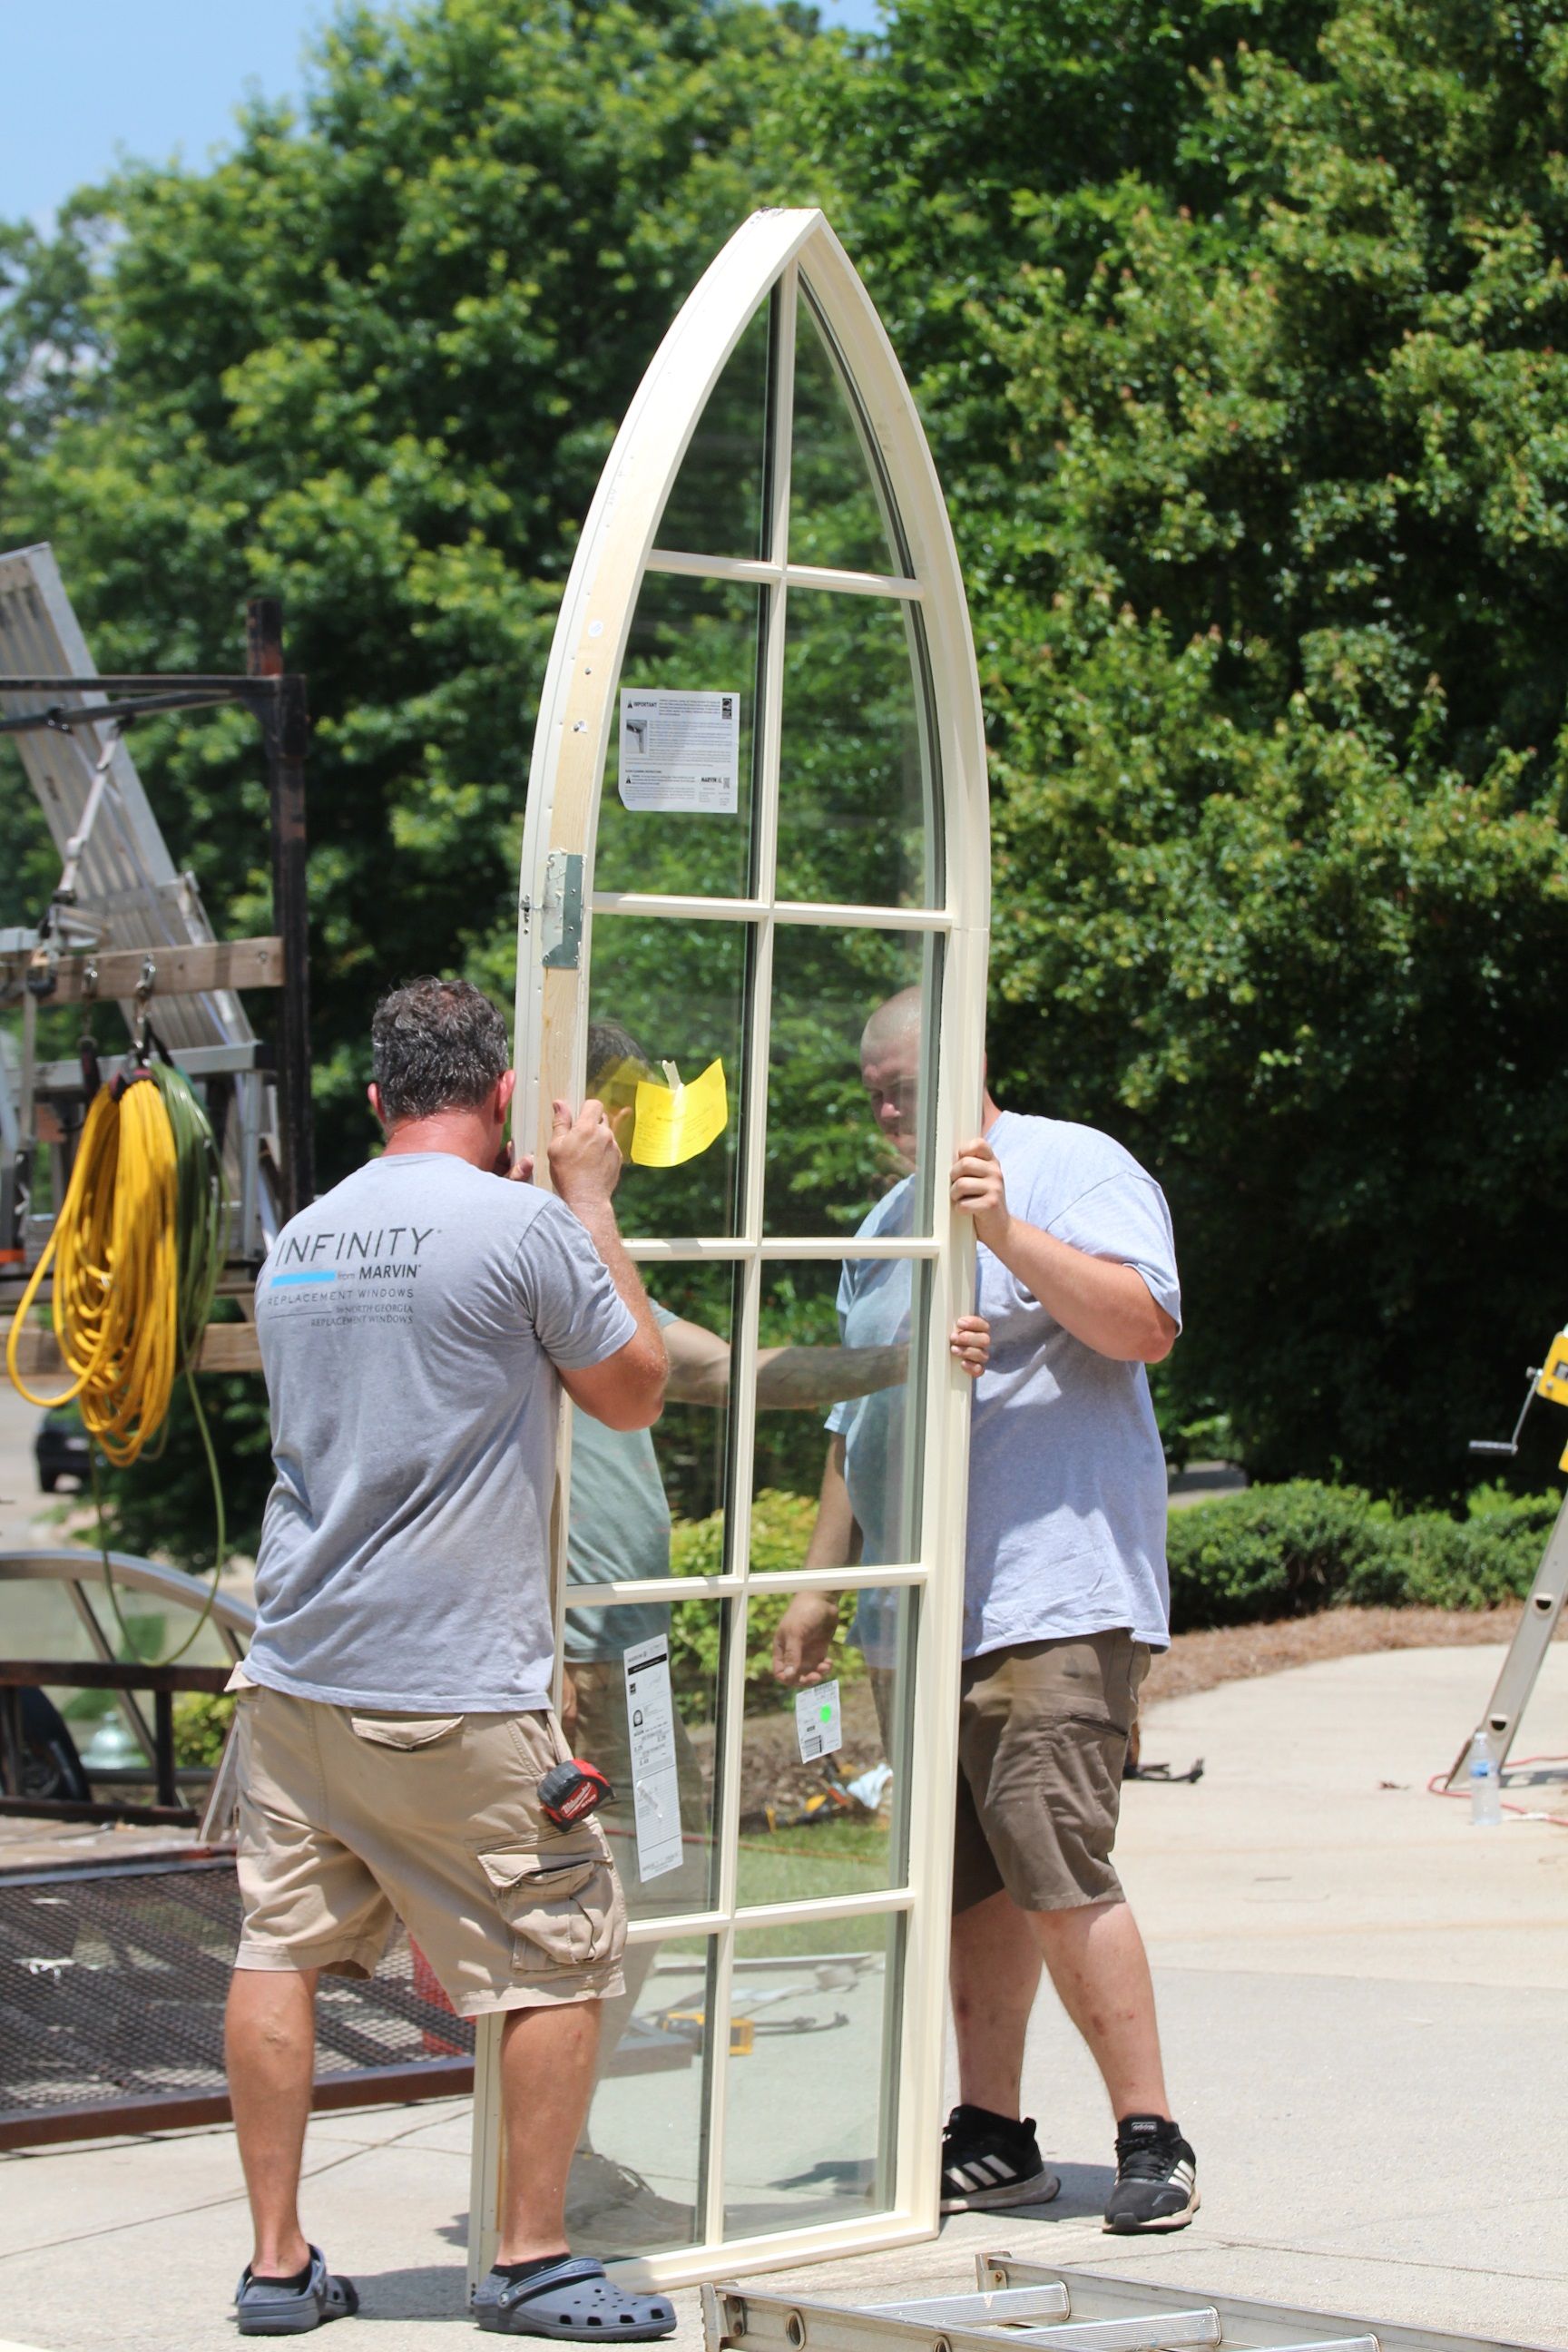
<point>818,1721</point>
<point>656,1791</point>
<point>680,752</point>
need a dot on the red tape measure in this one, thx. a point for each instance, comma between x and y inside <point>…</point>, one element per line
<point>569,1792</point>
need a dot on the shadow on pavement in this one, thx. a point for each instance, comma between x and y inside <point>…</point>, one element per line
<point>434,2291</point>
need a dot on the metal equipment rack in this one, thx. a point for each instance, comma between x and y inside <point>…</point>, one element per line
<point>1025,2303</point>
<point>125,924</point>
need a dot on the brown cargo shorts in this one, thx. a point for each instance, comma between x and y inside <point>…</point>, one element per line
<point>352,1819</point>
<point>1043,1729</point>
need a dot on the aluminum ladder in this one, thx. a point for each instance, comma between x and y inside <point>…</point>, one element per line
<point>1028,2302</point>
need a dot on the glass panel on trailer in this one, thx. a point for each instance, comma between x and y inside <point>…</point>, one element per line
<point>661,991</point>
<point>718,503</point>
<point>823,1769</point>
<point>837,511</point>
<point>641,1701</point>
<point>637,2179</point>
<point>857,785</point>
<point>810,2108</point>
<point>849,1108</point>
<point>675,815</point>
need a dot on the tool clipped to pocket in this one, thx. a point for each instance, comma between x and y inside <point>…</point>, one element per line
<point>569,1792</point>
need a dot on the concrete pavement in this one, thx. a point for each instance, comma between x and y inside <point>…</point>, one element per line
<point>1361,1999</point>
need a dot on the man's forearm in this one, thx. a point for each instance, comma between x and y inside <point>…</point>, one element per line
<point>836,1538</point>
<point>598,1220</point>
<point>800,1379</point>
<point>1106,1305</point>
<point>804,1377</point>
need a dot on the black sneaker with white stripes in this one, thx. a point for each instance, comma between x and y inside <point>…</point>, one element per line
<point>1156,2177</point>
<point>989,2161</point>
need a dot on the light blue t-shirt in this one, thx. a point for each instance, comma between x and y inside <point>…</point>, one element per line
<point>617,1530</point>
<point>1067,1474</point>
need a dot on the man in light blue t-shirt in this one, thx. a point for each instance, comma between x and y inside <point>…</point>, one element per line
<point>1064,1599</point>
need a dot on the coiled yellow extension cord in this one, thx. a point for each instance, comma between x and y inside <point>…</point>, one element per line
<point>116,1293</point>
<point>137,1249</point>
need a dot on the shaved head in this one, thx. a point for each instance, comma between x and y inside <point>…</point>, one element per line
<point>894,1025</point>
<point>890,1067</point>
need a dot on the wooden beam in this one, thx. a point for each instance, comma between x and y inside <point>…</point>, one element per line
<point>226,1347</point>
<point>100,1674</point>
<point>176,971</point>
<point>230,1348</point>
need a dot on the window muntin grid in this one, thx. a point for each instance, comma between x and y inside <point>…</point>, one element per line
<point>926,593</point>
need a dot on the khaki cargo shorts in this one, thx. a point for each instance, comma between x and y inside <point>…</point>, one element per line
<point>1043,1729</point>
<point>351,1820</point>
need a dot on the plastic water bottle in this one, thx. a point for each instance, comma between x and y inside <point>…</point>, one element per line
<point>1485,1785</point>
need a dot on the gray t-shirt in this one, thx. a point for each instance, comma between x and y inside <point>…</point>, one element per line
<point>1067,1474</point>
<point>410,1321</point>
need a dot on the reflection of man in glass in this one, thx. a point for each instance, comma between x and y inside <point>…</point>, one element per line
<point>1065,1597</point>
<point>619,1531</point>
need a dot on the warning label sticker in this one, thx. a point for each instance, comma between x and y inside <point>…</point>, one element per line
<point>680,752</point>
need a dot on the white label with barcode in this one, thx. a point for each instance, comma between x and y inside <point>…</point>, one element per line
<point>650,1727</point>
<point>818,1721</point>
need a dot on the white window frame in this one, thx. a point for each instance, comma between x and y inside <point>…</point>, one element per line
<point>775,250</point>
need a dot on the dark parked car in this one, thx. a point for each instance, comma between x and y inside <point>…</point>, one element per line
<point>62,1449</point>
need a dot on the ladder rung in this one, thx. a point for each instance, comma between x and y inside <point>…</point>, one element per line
<point>1334,2344</point>
<point>979,2310</point>
<point>1154,2331</point>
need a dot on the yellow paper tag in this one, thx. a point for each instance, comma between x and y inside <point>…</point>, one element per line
<point>675,1123</point>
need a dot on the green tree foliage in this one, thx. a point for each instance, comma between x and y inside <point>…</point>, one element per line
<point>374,361</point>
<point>1250,389</point>
<point>1238,328</point>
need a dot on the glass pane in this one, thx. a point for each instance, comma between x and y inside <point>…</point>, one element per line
<point>643,1706</point>
<point>649,1503</point>
<point>849,1113</point>
<point>836,513</point>
<point>856,799</point>
<point>688,637</point>
<point>661,991</point>
<point>718,503</point>
<point>38,1620</point>
<point>648,2119</point>
<point>834,1341</point>
<point>817,1818</point>
<point>811,2108</point>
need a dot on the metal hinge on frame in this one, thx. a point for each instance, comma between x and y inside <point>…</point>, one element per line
<point>561,912</point>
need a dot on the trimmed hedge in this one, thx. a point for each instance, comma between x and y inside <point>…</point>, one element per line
<point>1287,1550</point>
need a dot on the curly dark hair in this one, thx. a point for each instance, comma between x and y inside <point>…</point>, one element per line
<point>436,1045</point>
<point>615,1063</point>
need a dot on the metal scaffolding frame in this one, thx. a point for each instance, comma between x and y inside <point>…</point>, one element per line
<point>125,922</point>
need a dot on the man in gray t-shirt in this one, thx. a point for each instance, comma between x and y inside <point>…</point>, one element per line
<point>416,1326</point>
<point>1065,1597</point>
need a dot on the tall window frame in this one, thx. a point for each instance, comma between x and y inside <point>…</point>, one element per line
<point>779,263</point>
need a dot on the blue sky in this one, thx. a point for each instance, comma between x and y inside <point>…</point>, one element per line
<point>87,80</point>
